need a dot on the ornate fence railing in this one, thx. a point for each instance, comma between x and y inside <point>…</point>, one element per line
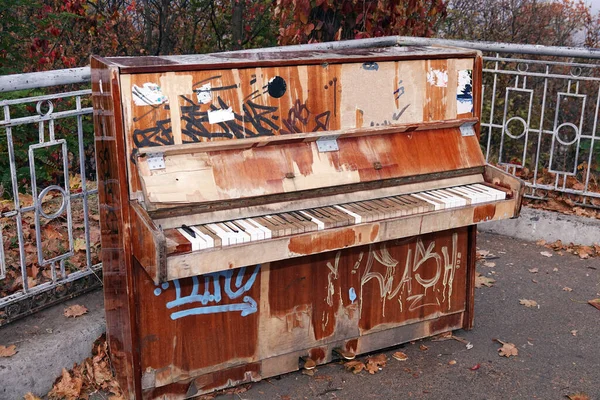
<point>539,122</point>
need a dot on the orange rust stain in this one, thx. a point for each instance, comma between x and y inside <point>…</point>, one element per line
<point>484,212</point>
<point>374,232</point>
<point>317,354</point>
<point>359,118</point>
<point>322,242</point>
<point>352,345</point>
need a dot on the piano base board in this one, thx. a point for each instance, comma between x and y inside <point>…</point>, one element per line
<point>255,372</point>
<point>199,334</point>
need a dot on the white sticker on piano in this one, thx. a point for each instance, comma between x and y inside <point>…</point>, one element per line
<point>204,94</point>
<point>223,115</point>
<point>320,224</point>
<point>265,230</point>
<point>210,242</point>
<point>357,218</point>
<point>149,94</point>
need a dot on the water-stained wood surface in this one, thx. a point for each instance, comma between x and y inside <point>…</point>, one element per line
<point>175,108</point>
<point>224,321</point>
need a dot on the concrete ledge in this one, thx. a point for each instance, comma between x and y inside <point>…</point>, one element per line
<point>46,343</point>
<point>535,224</point>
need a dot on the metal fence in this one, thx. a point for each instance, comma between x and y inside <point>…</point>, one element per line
<point>539,122</point>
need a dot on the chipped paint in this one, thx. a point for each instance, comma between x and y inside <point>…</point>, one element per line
<point>150,94</point>
<point>323,241</point>
<point>437,77</point>
<point>464,92</point>
<point>484,212</point>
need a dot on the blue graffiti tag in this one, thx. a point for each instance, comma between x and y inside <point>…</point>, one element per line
<point>247,306</point>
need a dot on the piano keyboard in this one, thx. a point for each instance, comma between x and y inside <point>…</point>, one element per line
<point>246,230</point>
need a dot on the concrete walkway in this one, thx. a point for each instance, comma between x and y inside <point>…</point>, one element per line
<point>552,361</point>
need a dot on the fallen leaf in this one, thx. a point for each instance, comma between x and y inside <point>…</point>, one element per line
<point>8,351</point>
<point>375,363</point>
<point>507,349</point>
<point>66,387</point>
<point>400,356</point>
<point>451,362</point>
<point>546,254</point>
<point>79,244</point>
<point>578,396</point>
<point>355,366</point>
<point>482,254</point>
<point>533,270</point>
<point>541,242</point>
<point>423,347</point>
<point>489,264</point>
<point>528,303</point>
<point>475,367</point>
<point>75,311</point>
<point>31,396</point>
<point>555,269</point>
<point>567,289</point>
<point>534,281</point>
<point>574,332</point>
<point>481,281</point>
<point>595,303</point>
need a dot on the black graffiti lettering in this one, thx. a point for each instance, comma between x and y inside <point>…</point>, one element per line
<point>257,115</point>
<point>322,121</point>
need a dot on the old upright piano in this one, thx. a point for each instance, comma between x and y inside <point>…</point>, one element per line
<point>261,211</point>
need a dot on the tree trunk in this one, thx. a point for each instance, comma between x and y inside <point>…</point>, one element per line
<point>237,26</point>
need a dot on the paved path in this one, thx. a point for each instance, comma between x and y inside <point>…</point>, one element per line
<point>551,362</point>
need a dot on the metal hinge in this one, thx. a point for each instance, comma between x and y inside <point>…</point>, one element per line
<point>156,161</point>
<point>467,129</point>
<point>327,143</point>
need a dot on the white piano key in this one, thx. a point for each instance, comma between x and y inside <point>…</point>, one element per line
<point>241,235</point>
<point>357,218</point>
<point>255,233</point>
<point>498,194</point>
<point>225,237</point>
<point>449,203</point>
<point>483,196</point>
<point>458,200</point>
<point>264,229</point>
<point>320,224</point>
<point>437,205</point>
<point>197,242</point>
<point>234,232</point>
<point>209,240</point>
<point>473,199</point>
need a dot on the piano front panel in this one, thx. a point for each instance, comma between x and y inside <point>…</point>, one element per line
<point>200,106</point>
<point>280,310</point>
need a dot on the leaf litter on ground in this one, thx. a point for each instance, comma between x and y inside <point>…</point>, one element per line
<point>481,280</point>
<point>507,349</point>
<point>8,351</point>
<point>529,303</point>
<point>75,310</point>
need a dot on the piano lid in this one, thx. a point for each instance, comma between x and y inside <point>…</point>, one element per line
<point>283,56</point>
